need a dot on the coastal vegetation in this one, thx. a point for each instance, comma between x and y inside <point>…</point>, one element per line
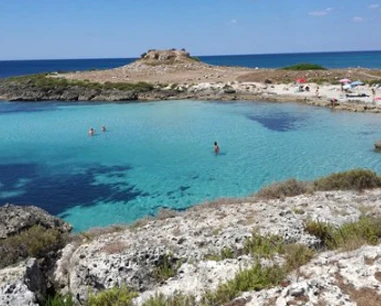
<point>304,66</point>
<point>34,242</point>
<point>48,81</point>
<point>357,179</point>
<point>349,236</point>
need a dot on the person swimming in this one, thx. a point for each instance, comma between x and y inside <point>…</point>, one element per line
<point>103,128</point>
<point>91,132</point>
<point>216,148</point>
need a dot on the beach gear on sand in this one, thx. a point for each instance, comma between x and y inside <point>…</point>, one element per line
<point>301,80</point>
<point>357,83</point>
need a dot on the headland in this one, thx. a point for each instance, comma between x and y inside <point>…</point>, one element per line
<point>175,74</point>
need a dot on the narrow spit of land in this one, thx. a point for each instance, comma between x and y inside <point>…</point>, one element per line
<point>174,74</point>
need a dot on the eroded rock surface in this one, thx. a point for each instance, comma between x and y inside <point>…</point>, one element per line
<point>131,256</point>
<point>22,285</point>
<point>15,219</point>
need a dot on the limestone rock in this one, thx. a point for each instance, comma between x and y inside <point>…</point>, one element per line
<point>15,219</point>
<point>22,285</point>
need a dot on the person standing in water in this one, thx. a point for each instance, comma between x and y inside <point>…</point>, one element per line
<point>103,128</point>
<point>91,132</point>
<point>216,148</point>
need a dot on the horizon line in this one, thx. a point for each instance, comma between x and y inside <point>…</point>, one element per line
<point>209,55</point>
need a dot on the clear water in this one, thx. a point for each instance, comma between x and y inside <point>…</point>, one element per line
<point>161,154</point>
<point>368,59</point>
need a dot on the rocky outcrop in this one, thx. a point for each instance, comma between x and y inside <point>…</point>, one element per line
<point>15,219</point>
<point>133,256</point>
<point>22,285</point>
<point>27,91</point>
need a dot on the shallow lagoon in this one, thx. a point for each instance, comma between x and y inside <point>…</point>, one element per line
<point>161,154</point>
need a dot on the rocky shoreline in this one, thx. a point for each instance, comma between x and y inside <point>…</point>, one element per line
<point>232,91</point>
<point>199,252</point>
<point>175,75</point>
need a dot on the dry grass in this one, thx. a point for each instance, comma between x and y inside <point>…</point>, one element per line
<point>362,296</point>
<point>166,213</point>
<point>221,202</point>
<point>377,276</point>
<point>114,247</point>
<point>289,188</point>
<point>370,261</point>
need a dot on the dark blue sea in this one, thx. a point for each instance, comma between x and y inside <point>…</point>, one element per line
<point>366,59</point>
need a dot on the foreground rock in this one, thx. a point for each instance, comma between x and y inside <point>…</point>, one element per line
<point>22,285</point>
<point>15,219</point>
<point>133,256</point>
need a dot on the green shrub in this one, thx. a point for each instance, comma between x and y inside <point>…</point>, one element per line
<point>44,82</point>
<point>297,255</point>
<point>112,297</point>
<point>225,253</point>
<point>177,299</point>
<point>59,300</point>
<point>349,236</point>
<point>166,268</point>
<point>263,246</point>
<point>304,66</point>
<point>358,179</point>
<point>34,242</point>
<point>254,278</point>
<point>289,188</point>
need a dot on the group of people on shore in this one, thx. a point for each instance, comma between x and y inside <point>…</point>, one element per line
<point>91,131</point>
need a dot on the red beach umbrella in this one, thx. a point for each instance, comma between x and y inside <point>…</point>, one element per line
<point>301,80</point>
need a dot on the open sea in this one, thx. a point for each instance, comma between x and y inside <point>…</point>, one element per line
<point>160,154</point>
<point>367,59</point>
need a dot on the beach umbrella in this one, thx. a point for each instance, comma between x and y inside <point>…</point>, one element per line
<point>301,80</point>
<point>357,83</point>
<point>345,81</point>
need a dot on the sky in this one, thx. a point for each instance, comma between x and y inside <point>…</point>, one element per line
<point>53,29</point>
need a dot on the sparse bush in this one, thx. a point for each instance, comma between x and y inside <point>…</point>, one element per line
<point>297,255</point>
<point>289,188</point>
<point>358,179</point>
<point>321,230</point>
<point>112,297</point>
<point>59,300</point>
<point>254,278</point>
<point>34,242</point>
<point>167,268</point>
<point>304,66</point>
<point>349,236</point>
<point>178,299</point>
<point>263,246</point>
<point>225,253</point>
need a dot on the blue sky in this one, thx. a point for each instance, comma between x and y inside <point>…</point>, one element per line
<point>39,29</point>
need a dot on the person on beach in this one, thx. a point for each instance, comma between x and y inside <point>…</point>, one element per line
<point>373,95</point>
<point>103,128</point>
<point>216,148</point>
<point>317,92</point>
<point>91,132</point>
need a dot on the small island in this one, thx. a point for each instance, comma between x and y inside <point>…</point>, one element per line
<point>175,74</point>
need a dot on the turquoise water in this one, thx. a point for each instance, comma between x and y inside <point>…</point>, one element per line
<point>161,154</point>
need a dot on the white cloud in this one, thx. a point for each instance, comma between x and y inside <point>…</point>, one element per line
<point>321,13</point>
<point>358,19</point>
<point>374,6</point>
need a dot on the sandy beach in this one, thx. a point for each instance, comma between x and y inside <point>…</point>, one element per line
<point>175,70</point>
